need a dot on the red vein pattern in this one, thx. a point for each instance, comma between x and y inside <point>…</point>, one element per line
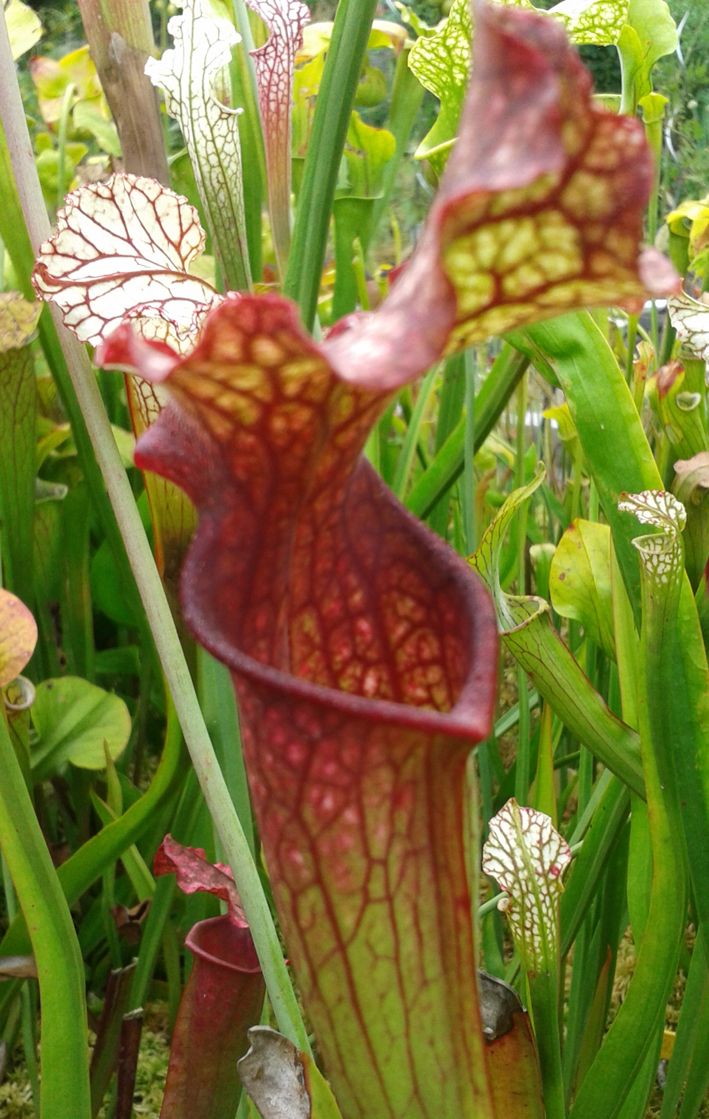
<point>275,63</point>
<point>362,650</point>
<point>171,512</point>
<point>122,250</point>
<point>223,997</point>
<point>364,659</point>
<point>192,77</point>
<point>541,209</point>
<point>123,247</point>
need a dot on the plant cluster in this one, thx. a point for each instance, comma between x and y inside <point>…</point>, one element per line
<point>354,605</point>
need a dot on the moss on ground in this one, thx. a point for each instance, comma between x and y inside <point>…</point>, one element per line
<point>16,1094</point>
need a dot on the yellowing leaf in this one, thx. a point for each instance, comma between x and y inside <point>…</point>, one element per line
<point>192,78</point>
<point>124,247</point>
<point>18,636</point>
<point>691,221</point>
<point>580,580</point>
<point>316,38</point>
<point>18,320</point>
<point>23,27</point>
<point>52,77</point>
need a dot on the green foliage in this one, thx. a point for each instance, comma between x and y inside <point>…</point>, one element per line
<point>430,11</point>
<point>76,722</point>
<point>16,1093</point>
<point>685,166</point>
<point>602,699</point>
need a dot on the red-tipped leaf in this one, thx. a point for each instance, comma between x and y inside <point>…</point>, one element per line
<point>194,874</point>
<point>221,1001</point>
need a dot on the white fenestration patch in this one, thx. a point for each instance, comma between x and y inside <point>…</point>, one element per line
<point>690,318</point>
<point>191,75</point>
<point>527,856</point>
<point>655,507</point>
<point>124,248</point>
<point>661,554</point>
<point>275,60</point>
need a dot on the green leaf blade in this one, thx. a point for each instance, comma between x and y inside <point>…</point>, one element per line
<point>75,721</point>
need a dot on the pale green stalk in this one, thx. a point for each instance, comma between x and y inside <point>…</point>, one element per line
<point>67,105</point>
<point>523,763</point>
<point>619,1070</point>
<point>409,446</point>
<point>468,481</point>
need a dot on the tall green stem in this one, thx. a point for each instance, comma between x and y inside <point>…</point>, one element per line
<point>468,484</point>
<point>63,129</point>
<point>151,590</point>
<point>544,997</point>
<point>406,97</point>
<point>65,1061</point>
<point>332,116</point>
<point>523,764</point>
<point>449,462</point>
